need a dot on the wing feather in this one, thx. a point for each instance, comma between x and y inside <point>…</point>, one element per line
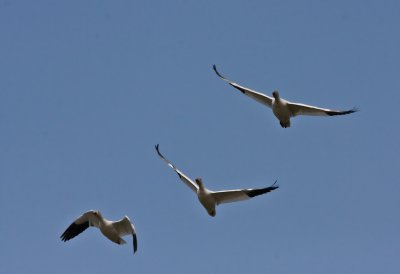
<point>79,225</point>
<point>229,196</point>
<point>181,175</point>
<point>302,109</point>
<point>125,227</point>
<point>259,97</point>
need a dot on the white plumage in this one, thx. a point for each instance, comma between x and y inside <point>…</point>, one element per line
<point>210,199</point>
<point>283,109</point>
<point>113,230</point>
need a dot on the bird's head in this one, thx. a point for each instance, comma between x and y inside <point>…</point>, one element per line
<point>212,212</point>
<point>199,182</point>
<point>97,213</point>
<point>275,94</point>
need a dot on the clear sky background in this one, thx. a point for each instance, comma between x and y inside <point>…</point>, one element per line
<point>87,88</point>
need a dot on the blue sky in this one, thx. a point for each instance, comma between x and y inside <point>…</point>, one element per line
<point>89,87</point>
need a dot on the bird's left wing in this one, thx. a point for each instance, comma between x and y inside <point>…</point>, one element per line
<point>125,227</point>
<point>181,175</point>
<point>259,97</point>
<point>302,109</point>
<point>80,224</point>
<point>229,196</point>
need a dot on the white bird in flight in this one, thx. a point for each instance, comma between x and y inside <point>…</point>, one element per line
<point>112,230</point>
<point>210,199</point>
<point>283,109</point>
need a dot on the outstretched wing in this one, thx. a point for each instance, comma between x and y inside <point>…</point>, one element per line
<point>80,224</point>
<point>261,98</point>
<point>229,196</point>
<point>125,227</point>
<point>302,109</point>
<point>181,175</point>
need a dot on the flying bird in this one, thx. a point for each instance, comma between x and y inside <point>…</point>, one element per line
<point>112,230</point>
<point>210,199</point>
<point>283,109</point>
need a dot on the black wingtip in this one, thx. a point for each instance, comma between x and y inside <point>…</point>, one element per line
<point>333,113</point>
<point>274,185</point>
<point>259,191</point>
<point>74,230</point>
<point>158,151</point>
<point>217,72</point>
<point>134,242</point>
<point>351,110</point>
<point>63,237</point>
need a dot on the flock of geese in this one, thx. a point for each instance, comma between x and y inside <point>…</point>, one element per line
<point>209,199</point>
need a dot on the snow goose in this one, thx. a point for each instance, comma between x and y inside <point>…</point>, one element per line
<point>210,199</point>
<point>112,230</point>
<point>282,108</point>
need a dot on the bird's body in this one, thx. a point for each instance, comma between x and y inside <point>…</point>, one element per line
<point>206,199</point>
<point>113,230</point>
<point>210,199</point>
<point>108,229</point>
<point>283,109</point>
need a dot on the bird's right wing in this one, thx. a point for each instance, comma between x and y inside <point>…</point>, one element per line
<point>125,227</point>
<point>181,175</point>
<point>261,98</point>
<point>80,224</point>
<point>230,196</point>
<point>303,109</point>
